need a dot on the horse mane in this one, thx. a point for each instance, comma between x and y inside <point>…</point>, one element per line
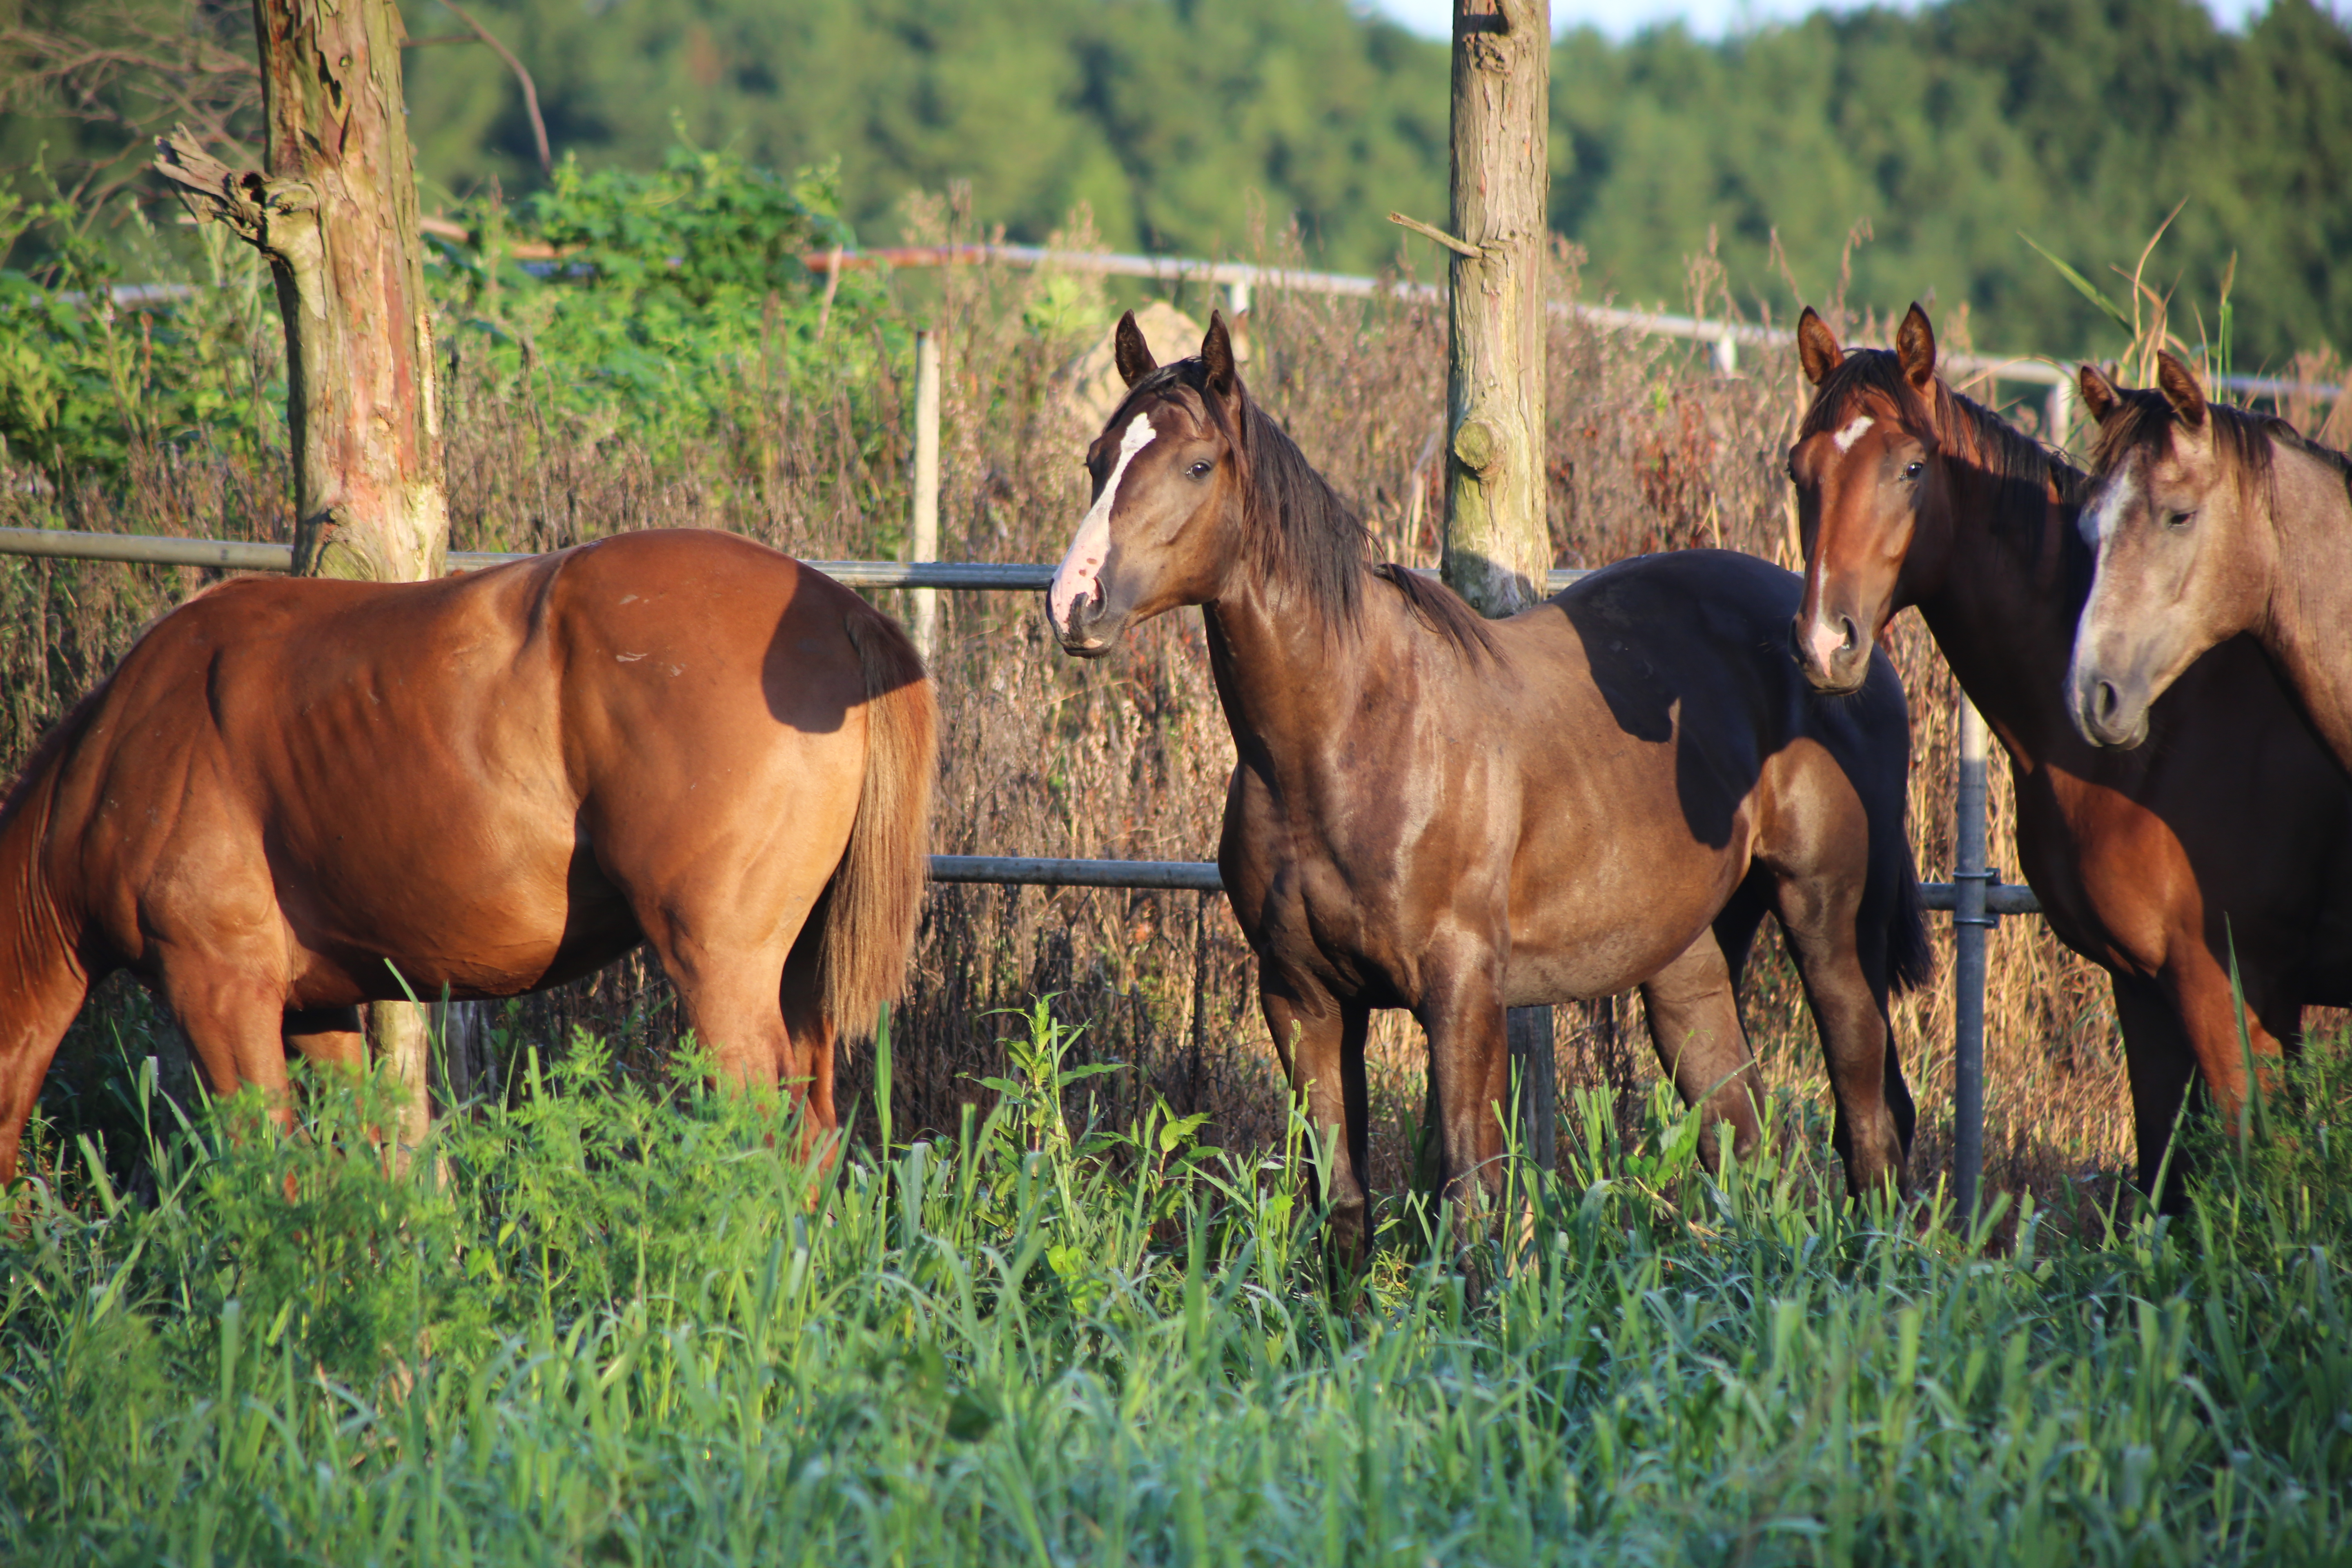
<point>2143,421</point>
<point>1298,530</point>
<point>1986,442</point>
<point>2023,473</point>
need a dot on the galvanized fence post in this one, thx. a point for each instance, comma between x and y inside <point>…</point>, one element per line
<point>1970,922</point>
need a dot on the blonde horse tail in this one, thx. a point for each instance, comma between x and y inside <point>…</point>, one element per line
<point>876,898</point>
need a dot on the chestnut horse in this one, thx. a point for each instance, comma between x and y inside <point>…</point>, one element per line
<point>292,795</point>
<point>1452,816</point>
<point>2230,831</point>
<point>2210,522</point>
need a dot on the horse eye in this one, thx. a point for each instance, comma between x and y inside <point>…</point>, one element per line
<point>1914,470</point>
<point>1201,470</point>
<point>2180,519</point>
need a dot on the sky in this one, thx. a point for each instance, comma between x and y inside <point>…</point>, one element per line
<point>1705,19</point>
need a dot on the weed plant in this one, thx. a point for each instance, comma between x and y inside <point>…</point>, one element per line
<point>632,1325</point>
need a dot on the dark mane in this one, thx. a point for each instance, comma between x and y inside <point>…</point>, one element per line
<point>2024,474</point>
<point>2143,421</point>
<point>1440,609</point>
<point>1300,534</point>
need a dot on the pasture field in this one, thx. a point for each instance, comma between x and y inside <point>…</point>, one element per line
<point>605,1324</point>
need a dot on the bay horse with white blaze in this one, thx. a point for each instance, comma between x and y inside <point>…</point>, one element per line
<point>2210,522</point>
<point>292,795</point>
<point>2230,833</point>
<point>1438,813</point>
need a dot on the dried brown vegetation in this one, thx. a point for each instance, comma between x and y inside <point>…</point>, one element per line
<point>1650,447</point>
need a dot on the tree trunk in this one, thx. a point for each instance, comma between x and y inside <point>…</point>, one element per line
<point>1497,536</point>
<point>335,212</point>
<point>1498,541</point>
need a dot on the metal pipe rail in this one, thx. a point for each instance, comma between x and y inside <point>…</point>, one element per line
<point>240,555</point>
<point>1192,876</point>
<point>1201,877</point>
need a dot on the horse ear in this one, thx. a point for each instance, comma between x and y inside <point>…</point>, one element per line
<point>2099,393</point>
<point>1817,347</point>
<point>1217,354</point>
<point>1915,346</point>
<point>1131,352</point>
<point>2180,389</point>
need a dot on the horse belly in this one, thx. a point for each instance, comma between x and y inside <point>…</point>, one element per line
<point>1600,906</point>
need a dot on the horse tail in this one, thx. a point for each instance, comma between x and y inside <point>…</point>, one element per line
<point>876,897</point>
<point>1910,960</point>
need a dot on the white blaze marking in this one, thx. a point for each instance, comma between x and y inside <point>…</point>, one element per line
<point>2099,521</point>
<point>1846,437</point>
<point>1079,575</point>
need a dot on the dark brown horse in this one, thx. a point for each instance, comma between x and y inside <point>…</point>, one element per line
<point>2230,830</point>
<point>1452,815</point>
<point>2210,522</point>
<point>290,790</point>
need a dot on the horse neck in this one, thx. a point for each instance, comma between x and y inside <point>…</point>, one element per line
<point>2309,518</point>
<point>1286,673</point>
<point>39,945</point>
<point>2005,608</point>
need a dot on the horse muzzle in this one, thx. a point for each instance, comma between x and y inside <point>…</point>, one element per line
<point>2109,711</point>
<point>1086,628</point>
<point>1832,651</point>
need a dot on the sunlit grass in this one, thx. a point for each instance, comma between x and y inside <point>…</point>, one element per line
<point>606,1325</point>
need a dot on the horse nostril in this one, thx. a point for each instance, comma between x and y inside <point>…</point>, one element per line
<point>2105,703</point>
<point>1852,634</point>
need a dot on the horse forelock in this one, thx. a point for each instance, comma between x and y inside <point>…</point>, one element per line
<point>2244,442</point>
<point>2017,476</point>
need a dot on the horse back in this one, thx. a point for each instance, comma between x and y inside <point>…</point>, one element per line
<point>463,741</point>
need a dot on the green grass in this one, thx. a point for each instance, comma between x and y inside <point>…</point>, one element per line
<point>610,1329</point>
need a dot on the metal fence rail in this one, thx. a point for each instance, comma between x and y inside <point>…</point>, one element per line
<point>238,555</point>
<point>1193,876</point>
<point>1201,877</point>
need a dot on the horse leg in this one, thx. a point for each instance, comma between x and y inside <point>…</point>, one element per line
<point>331,1036</point>
<point>2225,1037</point>
<point>1321,1042</point>
<point>232,1007</point>
<point>732,992</point>
<point>1736,923</point>
<point>1819,915</point>
<point>807,1043</point>
<point>2161,1065</point>
<point>1696,1030</point>
<point>43,1005</point>
<point>1470,1061</point>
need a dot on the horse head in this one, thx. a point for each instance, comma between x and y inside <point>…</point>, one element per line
<point>1866,465</point>
<point>1164,523</point>
<point>2180,560</point>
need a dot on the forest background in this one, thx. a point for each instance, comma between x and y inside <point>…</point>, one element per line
<point>1949,129</point>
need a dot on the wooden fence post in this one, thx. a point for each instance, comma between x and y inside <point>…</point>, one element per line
<point>334,211</point>
<point>923,536</point>
<point>1497,543</point>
